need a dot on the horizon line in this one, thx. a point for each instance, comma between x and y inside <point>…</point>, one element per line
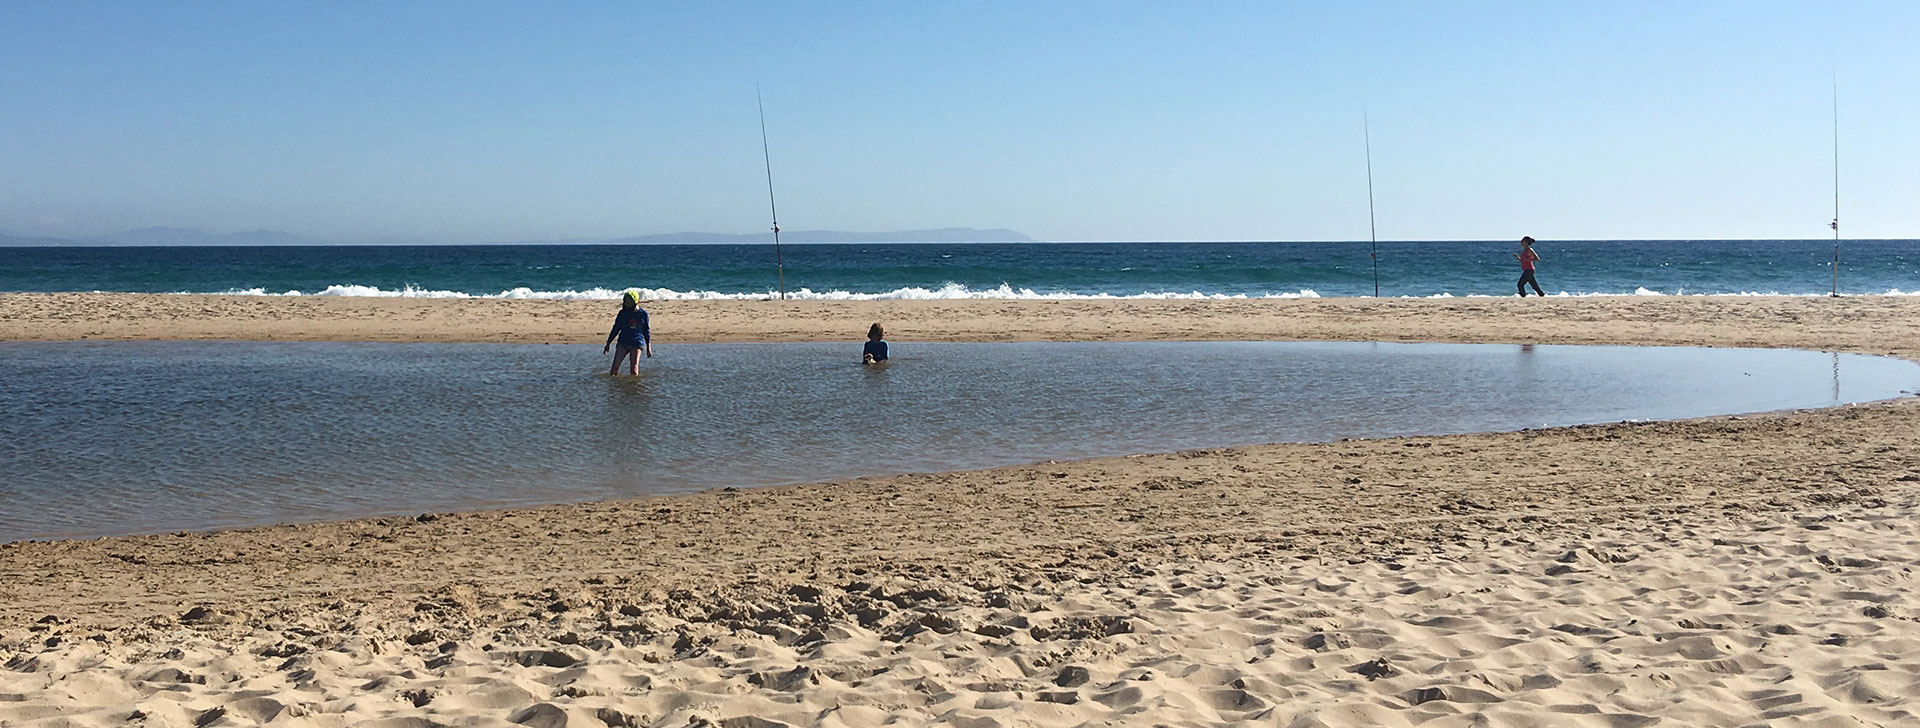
<point>612,242</point>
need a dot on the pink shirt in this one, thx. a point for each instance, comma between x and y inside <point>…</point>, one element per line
<point>1527,257</point>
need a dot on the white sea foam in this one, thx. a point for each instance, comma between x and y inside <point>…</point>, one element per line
<point>950,291</point>
<point>1683,294</point>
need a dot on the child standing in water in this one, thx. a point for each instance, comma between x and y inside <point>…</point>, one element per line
<point>631,331</point>
<point>876,349</point>
<point>1527,258</point>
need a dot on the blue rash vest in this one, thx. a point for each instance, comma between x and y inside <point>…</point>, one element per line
<point>630,328</point>
<point>878,349</point>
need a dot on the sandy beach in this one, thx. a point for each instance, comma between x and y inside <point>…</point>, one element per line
<point>1723,572</point>
<point>1864,324</point>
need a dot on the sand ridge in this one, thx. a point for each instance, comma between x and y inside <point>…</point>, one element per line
<point>1864,324</point>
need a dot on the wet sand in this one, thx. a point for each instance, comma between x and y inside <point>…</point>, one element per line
<point>1730,571</point>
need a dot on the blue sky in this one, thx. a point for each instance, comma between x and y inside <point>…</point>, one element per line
<point>1064,120</point>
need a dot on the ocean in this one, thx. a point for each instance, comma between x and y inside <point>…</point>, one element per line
<point>996,270</point>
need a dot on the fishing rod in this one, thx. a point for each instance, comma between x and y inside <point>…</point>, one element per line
<point>1836,186</point>
<point>1372,230</point>
<point>779,262</point>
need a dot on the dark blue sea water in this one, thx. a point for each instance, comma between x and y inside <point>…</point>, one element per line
<point>1002,270</point>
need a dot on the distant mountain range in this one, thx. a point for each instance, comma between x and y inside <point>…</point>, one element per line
<point>170,236</point>
<point>181,236</point>
<point>937,235</point>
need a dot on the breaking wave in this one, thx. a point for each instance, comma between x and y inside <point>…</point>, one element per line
<point>950,291</point>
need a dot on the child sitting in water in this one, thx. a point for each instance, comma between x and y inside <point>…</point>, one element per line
<point>631,330</point>
<point>876,349</point>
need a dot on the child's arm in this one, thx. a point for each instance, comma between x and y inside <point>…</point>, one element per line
<point>646,334</point>
<point>611,335</point>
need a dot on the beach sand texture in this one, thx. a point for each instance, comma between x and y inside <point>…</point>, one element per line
<point>1865,324</point>
<point>1733,571</point>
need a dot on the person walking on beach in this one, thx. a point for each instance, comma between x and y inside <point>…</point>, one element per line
<point>630,329</point>
<point>876,348</point>
<point>1527,258</point>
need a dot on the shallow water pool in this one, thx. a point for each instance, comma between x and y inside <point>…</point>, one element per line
<point>104,439</point>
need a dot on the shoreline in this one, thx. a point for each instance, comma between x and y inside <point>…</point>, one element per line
<point>1165,475</point>
<point>25,319</point>
<point>1385,581</point>
<point>525,322</point>
<point>1908,400</point>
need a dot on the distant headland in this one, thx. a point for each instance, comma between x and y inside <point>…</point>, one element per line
<point>167,236</point>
